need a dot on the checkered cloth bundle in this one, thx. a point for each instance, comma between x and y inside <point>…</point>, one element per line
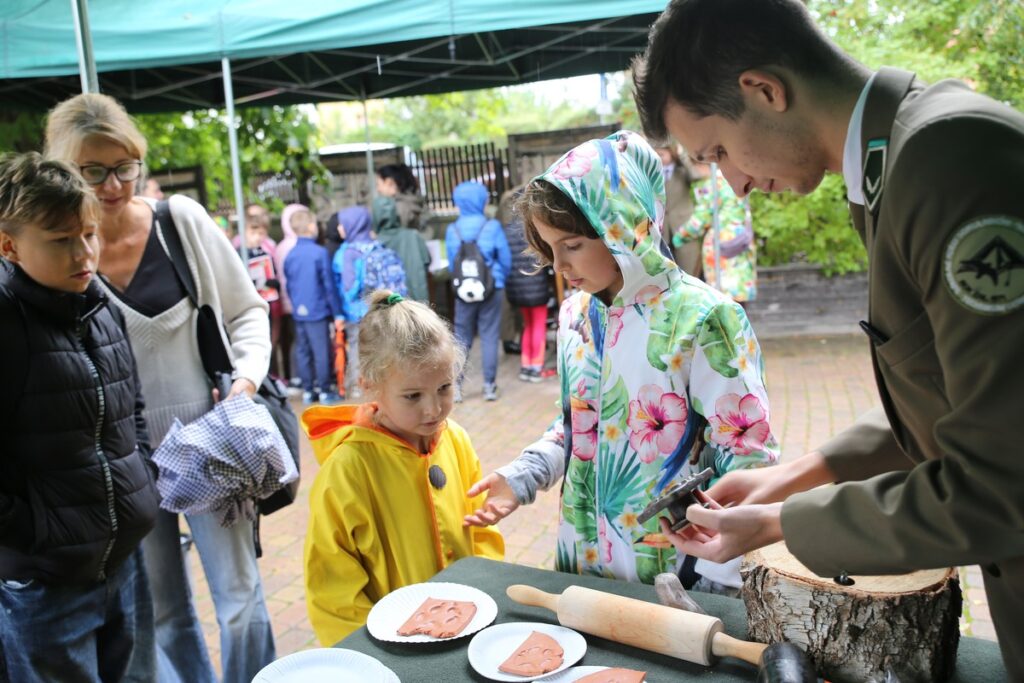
<point>224,460</point>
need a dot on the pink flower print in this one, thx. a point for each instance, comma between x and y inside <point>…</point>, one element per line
<point>614,327</point>
<point>740,423</point>
<point>656,421</point>
<point>603,542</point>
<point>576,164</point>
<point>584,431</point>
<point>648,296</point>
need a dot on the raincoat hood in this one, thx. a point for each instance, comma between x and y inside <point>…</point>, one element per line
<point>385,214</point>
<point>357,222</point>
<point>618,185</point>
<point>470,197</point>
<point>286,221</point>
<point>329,426</point>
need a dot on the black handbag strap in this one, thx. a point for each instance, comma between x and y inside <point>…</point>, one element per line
<point>212,352</point>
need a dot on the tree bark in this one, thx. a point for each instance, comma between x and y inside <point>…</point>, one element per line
<point>907,624</point>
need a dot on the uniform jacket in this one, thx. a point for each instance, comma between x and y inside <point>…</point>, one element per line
<point>471,198</point>
<point>946,305</point>
<point>76,492</point>
<point>311,283</point>
<point>376,523</point>
<point>668,362</point>
<point>349,261</point>
<point>405,242</point>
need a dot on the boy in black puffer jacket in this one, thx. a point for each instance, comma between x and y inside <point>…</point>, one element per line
<point>77,494</point>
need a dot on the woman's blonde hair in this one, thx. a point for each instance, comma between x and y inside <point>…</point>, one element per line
<point>88,115</point>
<point>397,331</point>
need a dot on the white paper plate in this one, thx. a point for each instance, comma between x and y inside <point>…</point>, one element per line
<point>395,608</point>
<point>494,645</point>
<point>326,665</point>
<point>574,674</point>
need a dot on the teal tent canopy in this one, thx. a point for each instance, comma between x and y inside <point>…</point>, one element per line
<point>167,55</point>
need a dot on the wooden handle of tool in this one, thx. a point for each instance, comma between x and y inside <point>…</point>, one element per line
<point>724,645</point>
<point>534,597</point>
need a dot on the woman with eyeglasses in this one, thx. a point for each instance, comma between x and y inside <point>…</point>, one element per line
<point>95,133</point>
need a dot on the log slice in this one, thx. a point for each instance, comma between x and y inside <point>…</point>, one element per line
<point>907,624</point>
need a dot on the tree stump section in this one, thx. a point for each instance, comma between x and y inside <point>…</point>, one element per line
<point>906,624</point>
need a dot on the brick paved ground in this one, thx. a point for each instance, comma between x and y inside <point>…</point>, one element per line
<point>816,385</point>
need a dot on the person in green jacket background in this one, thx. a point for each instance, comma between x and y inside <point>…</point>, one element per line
<point>405,242</point>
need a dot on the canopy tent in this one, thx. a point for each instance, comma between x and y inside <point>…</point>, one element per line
<point>168,56</point>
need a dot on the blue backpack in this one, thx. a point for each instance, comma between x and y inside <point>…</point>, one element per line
<point>383,269</point>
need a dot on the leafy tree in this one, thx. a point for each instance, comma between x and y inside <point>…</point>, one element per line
<point>270,140</point>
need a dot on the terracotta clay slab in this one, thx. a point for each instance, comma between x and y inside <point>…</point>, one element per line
<point>439,618</point>
<point>616,675</point>
<point>539,654</point>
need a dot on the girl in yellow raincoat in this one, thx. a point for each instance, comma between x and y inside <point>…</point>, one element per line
<point>387,506</point>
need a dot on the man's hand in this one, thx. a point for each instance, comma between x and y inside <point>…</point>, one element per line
<point>501,501</point>
<point>772,484</point>
<point>719,534</point>
<point>239,386</point>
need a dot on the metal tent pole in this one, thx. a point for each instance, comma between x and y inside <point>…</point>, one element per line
<point>715,202</point>
<point>236,169</point>
<point>83,39</point>
<point>371,184</point>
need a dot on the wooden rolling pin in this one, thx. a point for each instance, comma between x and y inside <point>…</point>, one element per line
<point>697,638</point>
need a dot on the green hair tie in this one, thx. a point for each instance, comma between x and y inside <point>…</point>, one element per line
<point>394,299</point>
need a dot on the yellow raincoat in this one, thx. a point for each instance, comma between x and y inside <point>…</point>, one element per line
<point>376,523</point>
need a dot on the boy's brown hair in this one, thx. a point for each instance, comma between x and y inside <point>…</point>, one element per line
<point>544,202</point>
<point>42,192</point>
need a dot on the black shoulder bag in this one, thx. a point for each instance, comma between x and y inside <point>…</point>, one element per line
<point>217,364</point>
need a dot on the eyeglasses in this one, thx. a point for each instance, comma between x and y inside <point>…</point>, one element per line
<point>95,174</point>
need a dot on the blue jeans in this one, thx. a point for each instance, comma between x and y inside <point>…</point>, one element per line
<point>313,352</point>
<point>229,562</point>
<point>483,317</point>
<point>97,632</point>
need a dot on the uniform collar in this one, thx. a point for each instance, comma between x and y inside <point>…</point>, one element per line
<point>853,153</point>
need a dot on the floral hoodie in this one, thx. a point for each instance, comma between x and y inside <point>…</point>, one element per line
<point>670,366</point>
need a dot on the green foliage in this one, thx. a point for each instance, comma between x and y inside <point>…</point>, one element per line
<point>270,140</point>
<point>21,132</point>
<point>456,118</point>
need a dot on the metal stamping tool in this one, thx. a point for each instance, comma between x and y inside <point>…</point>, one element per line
<point>675,501</point>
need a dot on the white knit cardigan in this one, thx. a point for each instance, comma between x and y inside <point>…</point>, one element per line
<point>223,283</point>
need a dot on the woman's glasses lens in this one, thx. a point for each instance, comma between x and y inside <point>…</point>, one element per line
<point>126,172</point>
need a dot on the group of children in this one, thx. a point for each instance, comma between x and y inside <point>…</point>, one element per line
<point>661,376</point>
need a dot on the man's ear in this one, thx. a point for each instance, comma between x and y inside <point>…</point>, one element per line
<point>764,89</point>
<point>8,248</point>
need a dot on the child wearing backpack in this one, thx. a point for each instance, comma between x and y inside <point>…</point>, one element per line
<point>361,265</point>
<point>387,506</point>
<point>479,258</point>
<point>661,375</point>
<point>77,492</point>
<point>315,304</point>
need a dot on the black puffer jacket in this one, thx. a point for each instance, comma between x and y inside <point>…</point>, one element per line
<point>520,288</point>
<point>76,490</point>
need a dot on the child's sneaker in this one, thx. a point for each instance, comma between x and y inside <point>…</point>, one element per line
<point>330,398</point>
<point>525,374</point>
<point>308,398</point>
<point>490,392</point>
<point>535,375</point>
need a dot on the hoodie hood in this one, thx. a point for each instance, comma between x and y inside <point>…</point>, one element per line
<point>470,197</point>
<point>357,222</point>
<point>286,220</point>
<point>618,185</point>
<point>385,214</point>
<point>329,426</point>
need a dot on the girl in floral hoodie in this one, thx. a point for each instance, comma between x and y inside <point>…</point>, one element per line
<point>661,375</point>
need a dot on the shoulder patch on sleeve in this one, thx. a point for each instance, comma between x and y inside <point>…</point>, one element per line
<point>983,265</point>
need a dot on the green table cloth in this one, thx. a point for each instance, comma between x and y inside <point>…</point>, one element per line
<point>977,660</point>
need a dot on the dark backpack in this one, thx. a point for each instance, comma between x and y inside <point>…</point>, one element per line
<point>383,269</point>
<point>471,275</point>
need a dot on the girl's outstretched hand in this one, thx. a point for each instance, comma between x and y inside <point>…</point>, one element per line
<point>500,503</point>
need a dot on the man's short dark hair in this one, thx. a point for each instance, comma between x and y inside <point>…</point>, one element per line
<point>697,50</point>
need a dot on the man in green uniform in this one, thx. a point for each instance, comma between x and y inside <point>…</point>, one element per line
<point>936,476</point>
